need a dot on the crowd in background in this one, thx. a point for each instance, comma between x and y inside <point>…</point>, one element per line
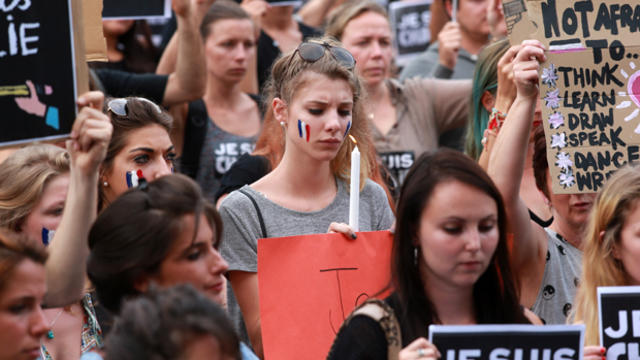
<point>136,238</point>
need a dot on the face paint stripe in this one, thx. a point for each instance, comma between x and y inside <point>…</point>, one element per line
<point>300,127</point>
<point>47,236</point>
<point>308,131</point>
<point>348,128</point>
<point>132,178</point>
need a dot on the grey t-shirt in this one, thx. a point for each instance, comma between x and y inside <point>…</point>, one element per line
<point>242,228</point>
<point>560,280</point>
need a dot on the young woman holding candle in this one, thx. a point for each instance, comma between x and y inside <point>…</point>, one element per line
<point>316,97</point>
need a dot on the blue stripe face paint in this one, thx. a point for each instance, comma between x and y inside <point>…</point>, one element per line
<point>47,236</point>
<point>300,127</point>
<point>347,130</point>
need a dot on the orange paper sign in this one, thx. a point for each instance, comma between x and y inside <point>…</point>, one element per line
<point>309,284</point>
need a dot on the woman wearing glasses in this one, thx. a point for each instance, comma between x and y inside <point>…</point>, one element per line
<point>408,118</point>
<point>140,146</point>
<point>316,96</point>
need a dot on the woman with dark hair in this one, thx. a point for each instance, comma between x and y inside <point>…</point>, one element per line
<point>174,323</point>
<point>450,263</point>
<point>140,146</point>
<point>22,291</point>
<point>163,233</point>
<point>129,46</point>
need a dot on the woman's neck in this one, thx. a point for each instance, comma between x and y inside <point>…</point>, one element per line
<point>303,176</point>
<point>377,93</point>
<point>113,54</point>
<point>453,305</point>
<point>220,94</point>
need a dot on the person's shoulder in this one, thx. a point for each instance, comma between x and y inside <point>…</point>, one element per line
<point>238,199</point>
<point>373,189</point>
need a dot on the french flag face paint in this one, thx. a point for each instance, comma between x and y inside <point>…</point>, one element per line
<point>303,130</point>
<point>348,128</point>
<point>47,236</point>
<point>133,178</point>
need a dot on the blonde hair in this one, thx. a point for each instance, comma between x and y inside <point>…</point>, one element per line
<point>617,199</point>
<point>343,14</point>
<point>287,76</point>
<point>23,177</point>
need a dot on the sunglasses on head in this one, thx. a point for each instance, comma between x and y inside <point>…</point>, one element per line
<point>313,51</point>
<point>119,106</point>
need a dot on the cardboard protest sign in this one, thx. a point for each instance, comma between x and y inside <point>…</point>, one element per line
<point>94,43</point>
<point>619,315</point>
<point>39,80</point>
<point>309,284</point>
<point>136,9</point>
<point>508,342</point>
<point>410,24</point>
<point>589,88</point>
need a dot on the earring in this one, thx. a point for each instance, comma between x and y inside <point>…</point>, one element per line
<point>415,256</point>
<point>105,184</point>
<point>282,123</point>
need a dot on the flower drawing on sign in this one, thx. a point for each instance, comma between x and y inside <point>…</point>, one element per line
<point>567,179</point>
<point>564,161</point>
<point>556,120</point>
<point>552,99</point>
<point>550,76</point>
<point>558,140</point>
<point>633,92</point>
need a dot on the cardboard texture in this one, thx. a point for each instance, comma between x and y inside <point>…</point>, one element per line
<point>309,284</point>
<point>589,88</point>
<point>42,68</point>
<point>94,42</point>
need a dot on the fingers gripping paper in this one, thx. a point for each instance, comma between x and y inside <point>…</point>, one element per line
<point>589,88</point>
<point>309,284</point>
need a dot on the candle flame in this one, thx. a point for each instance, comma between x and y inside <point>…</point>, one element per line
<point>353,139</point>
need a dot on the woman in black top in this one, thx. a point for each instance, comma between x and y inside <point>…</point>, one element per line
<point>449,264</point>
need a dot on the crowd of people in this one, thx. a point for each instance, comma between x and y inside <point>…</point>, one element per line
<point>137,238</point>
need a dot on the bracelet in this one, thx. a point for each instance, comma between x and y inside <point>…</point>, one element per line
<point>496,119</point>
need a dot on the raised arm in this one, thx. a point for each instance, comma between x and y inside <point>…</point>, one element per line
<point>506,164</point>
<point>183,58</point>
<point>314,12</point>
<point>69,249</point>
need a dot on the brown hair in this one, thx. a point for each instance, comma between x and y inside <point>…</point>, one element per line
<point>221,10</point>
<point>23,178</point>
<point>539,163</point>
<point>287,76</point>
<point>140,113</point>
<point>14,248</point>
<point>495,295</point>
<point>133,235</point>
<point>343,14</point>
<point>613,204</point>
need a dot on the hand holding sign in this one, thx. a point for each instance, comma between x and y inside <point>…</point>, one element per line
<point>525,68</point>
<point>449,40</point>
<point>420,348</point>
<point>506,92</point>
<point>90,135</point>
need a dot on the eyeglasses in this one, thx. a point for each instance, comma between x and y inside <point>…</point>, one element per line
<point>119,106</point>
<point>313,51</point>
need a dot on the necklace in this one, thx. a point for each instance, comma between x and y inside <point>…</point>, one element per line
<point>50,334</point>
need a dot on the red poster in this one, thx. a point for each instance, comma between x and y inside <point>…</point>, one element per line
<point>309,284</point>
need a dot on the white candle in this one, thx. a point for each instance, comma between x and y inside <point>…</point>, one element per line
<point>354,198</point>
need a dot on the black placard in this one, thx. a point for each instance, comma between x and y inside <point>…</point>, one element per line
<point>136,9</point>
<point>410,23</point>
<point>619,308</point>
<point>508,342</point>
<point>37,70</point>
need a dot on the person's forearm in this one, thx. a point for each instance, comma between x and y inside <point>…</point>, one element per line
<point>69,249</point>
<point>314,12</point>
<point>506,164</point>
<point>190,63</point>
